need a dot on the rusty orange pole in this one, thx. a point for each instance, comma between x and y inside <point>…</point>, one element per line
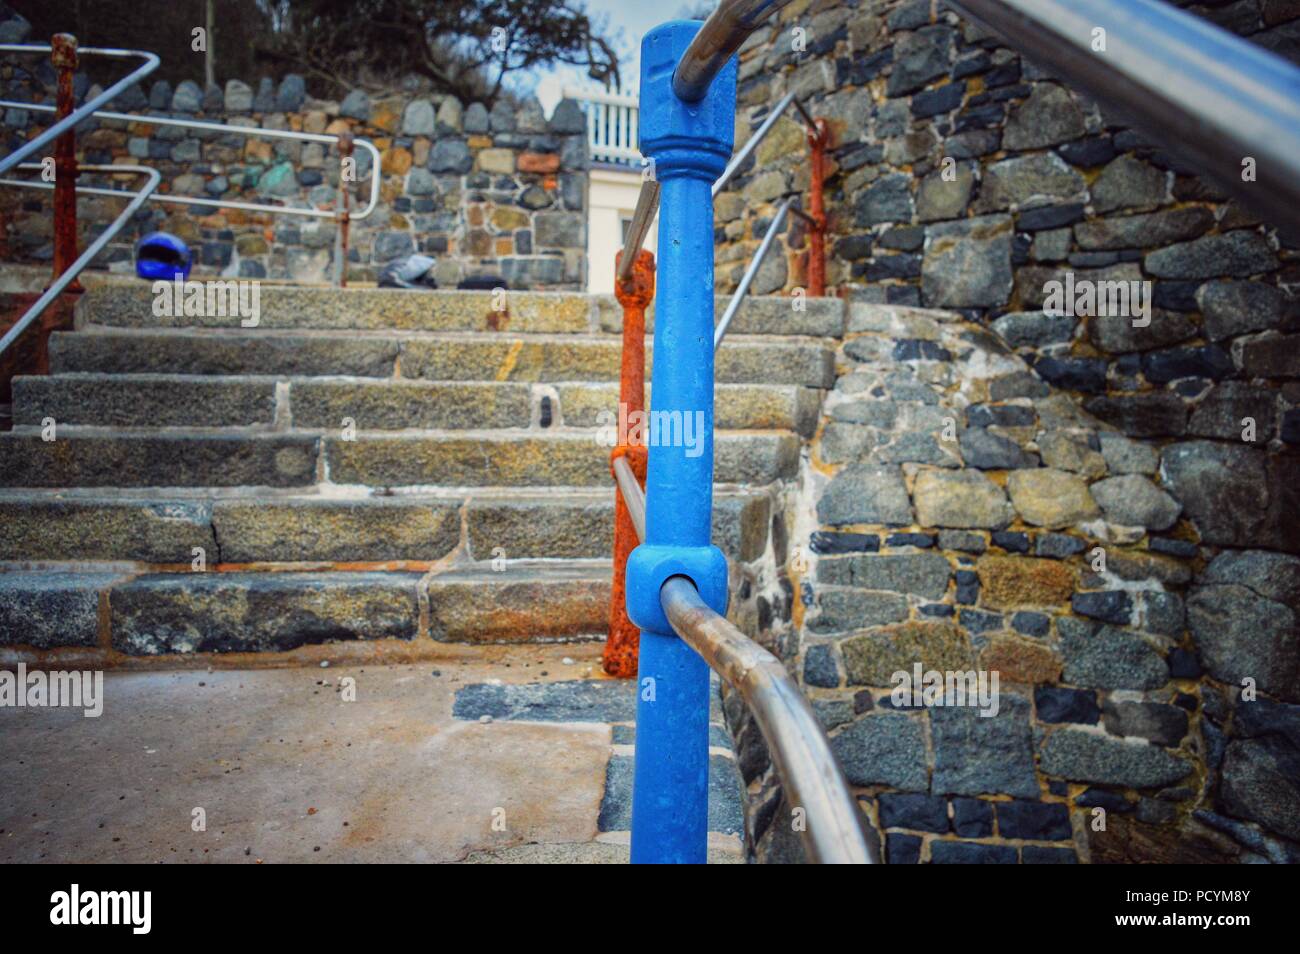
<point>634,294</point>
<point>817,210</point>
<point>63,56</point>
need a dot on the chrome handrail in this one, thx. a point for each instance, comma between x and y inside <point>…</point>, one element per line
<point>833,832</point>
<point>647,207</point>
<point>751,271</point>
<point>93,249</point>
<point>723,33</point>
<point>150,64</point>
<point>759,135</point>
<point>647,200</point>
<point>255,132</point>
<point>1214,98</point>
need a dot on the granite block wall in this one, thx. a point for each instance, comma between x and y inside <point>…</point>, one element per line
<point>497,192</point>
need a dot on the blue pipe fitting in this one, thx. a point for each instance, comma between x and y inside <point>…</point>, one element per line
<point>648,569</point>
<point>689,144</point>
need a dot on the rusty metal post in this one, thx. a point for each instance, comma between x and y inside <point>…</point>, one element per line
<point>634,293</point>
<point>63,56</point>
<point>817,210</point>
<point>344,215</point>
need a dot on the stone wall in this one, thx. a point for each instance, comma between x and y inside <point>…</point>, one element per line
<point>957,512</point>
<point>499,192</point>
<point>970,470</point>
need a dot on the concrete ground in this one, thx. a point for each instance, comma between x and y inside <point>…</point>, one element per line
<point>500,761</point>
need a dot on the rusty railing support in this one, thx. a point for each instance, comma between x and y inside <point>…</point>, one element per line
<point>634,293</point>
<point>63,56</point>
<point>817,141</point>
<point>346,163</point>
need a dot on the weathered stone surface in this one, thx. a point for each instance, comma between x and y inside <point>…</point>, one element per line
<point>1049,116</point>
<point>883,749</point>
<point>1027,182</point>
<point>1132,500</point>
<point>988,451</point>
<point>1013,581</point>
<point>540,526</point>
<point>1260,784</point>
<point>872,659</point>
<point>393,405</point>
<point>843,610</point>
<point>917,574</point>
<point>1072,452</point>
<point>1126,456</point>
<point>968,263</point>
<point>1234,254</point>
<point>1224,489</point>
<point>1144,231</point>
<point>1034,329</point>
<point>1118,334</point>
<point>1153,721</point>
<point>960,500</point>
<point>376,529</point>
<point>1277,356</point>
<point>517,605</point>
<point>261,460</point>
<point>192,353</point>
<point>51,610</point>
<point>944,198</point>
<point>1082,756</point>
<point>862,493</point>
<point>1111,658</point>
<point>1241,634</point>
<point>1051,498</point>
<point>1020,660</point>
<point>1161,414</point>
<point>1128,182</point>
<point>104,529</point>
<point>1235,411</point>
<point>582,700</point>
<point>237,612</point>
<point>977,755</point>
<point>1238,308</point>
<point>1274,576</point>
<point>920,57</point>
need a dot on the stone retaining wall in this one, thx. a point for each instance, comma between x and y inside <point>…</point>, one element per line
<point>957,512</point>
<point>500,192</point>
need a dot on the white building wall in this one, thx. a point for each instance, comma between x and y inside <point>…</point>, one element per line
<point>610,203</point>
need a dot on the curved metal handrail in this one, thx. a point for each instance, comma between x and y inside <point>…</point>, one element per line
<point>723,32</point>
<point>832,832</point>
<point>150,64</point>
<point>253,132</point>
<point>94,248</point>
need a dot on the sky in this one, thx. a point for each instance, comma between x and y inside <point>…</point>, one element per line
<point>627,21</point>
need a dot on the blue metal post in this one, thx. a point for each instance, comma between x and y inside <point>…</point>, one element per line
<point>690,144</point>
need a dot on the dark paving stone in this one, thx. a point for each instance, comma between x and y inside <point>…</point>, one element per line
<point>726,814</point>
<point>583,700</point>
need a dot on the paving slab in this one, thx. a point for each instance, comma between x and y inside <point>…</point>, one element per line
<point>286,769</point>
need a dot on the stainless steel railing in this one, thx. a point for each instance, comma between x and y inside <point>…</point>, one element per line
<point>1213,98</point>
<point>150,64</point>
<point>834,831</point>
<point>251,132</point>
<point>723,33</point>
<point>94,248</point>
<point>647,207</point>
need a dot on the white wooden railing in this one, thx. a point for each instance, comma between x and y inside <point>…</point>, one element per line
<point>611,124</point>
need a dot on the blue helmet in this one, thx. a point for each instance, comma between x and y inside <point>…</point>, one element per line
<point>160,255</point>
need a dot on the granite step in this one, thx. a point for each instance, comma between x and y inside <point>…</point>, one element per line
<point>325,403</point>
<point>157,614</point>
<point>808,362</point>
<point>346,534</point>
<point>131,305</point>
<point>130,458</point>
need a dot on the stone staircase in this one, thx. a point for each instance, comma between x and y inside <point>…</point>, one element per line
<point>376,465</point>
